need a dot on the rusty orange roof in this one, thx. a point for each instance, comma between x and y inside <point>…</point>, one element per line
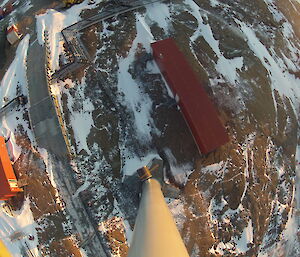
<point>8,180</point>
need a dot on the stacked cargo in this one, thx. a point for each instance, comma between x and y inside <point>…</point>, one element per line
<point>7,9</point>
<point>8,181</point>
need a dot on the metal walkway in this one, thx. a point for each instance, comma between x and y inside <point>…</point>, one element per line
<point>71,34</point>
<point>11,104</point>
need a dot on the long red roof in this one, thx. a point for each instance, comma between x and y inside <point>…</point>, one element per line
<point>197,108</point>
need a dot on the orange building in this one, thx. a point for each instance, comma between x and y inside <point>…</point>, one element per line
<point>8,181</point>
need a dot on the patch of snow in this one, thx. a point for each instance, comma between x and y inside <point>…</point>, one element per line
<point>105,31</point>
<point>273,10</point>
<point>291,233</point>
<point>21,221</point>
<point>132,162</point>
<point>49,167</point>
<point>281,171</point>
<point>245,239</point>
<point>83,187</point>
<point>82,122</point>
<point>180,173</point>
<point>217,169</point>
<point>3,3</point>
<point>16,73</point>
<point>227,67</point>
<point>196,251</point>
<point>101,164</point>
<point>176,207</point>
<point>80,117</point>
<point>214,3</point>
<point>26,6</point>
<point>128,232</point>
<point>248,158</point>
<point>83,252</point>
<point>139,103</point>
<point>54,22</point>
<point>116,220</point>
<point>214,207</point>
<point>158,13</point>
<point>297,160</point>
<point>281,80</point>
<point>15,82</point>
<point>221,247</point>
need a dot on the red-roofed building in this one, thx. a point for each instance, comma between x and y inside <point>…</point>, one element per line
<point>195,105</point>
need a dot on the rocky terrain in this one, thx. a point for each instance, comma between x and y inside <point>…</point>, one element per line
<point>242,199</point>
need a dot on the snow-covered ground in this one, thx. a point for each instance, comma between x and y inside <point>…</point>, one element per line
<point>81,113</point>
<point>13,84</point>
<point>227,67</point>
<point>139,103</point>
<point>3,3</point>
<point>54,22</point>
<point>21,222</point>
<point>279,69</point>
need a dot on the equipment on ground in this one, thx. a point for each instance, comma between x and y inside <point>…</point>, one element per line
<point>69,3</point>
<point>19,100</point>
<point>13,34</point>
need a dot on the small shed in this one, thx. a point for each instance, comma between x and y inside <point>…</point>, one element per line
<point>195,105</point>
<point>8,181</point>
<point>12,34</point>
